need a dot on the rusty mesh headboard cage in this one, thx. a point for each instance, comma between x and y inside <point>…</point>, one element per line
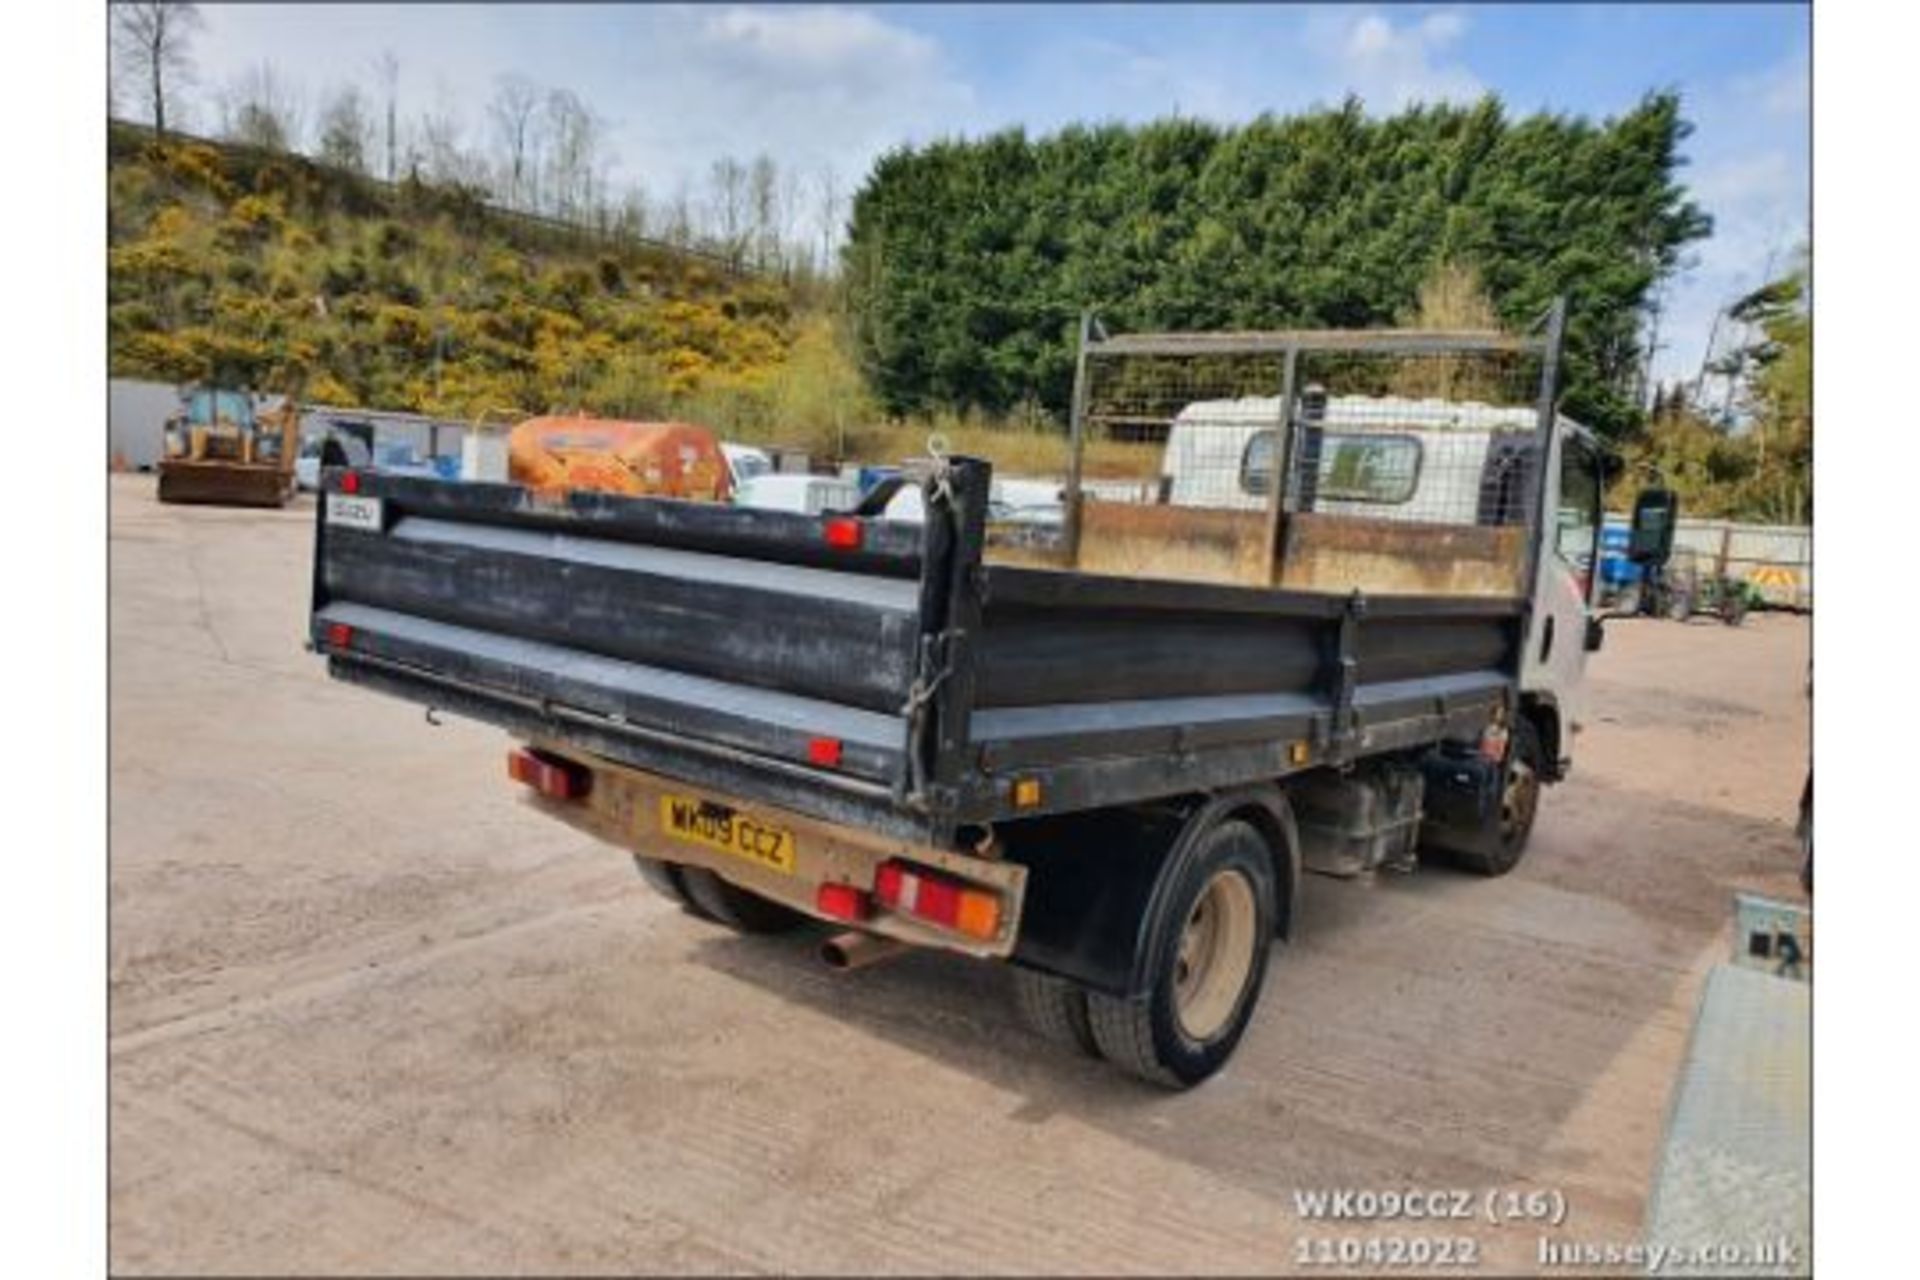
<point>1389,460</point>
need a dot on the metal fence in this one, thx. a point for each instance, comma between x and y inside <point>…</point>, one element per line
<point>1775,560</point>
<point>1405,460</point>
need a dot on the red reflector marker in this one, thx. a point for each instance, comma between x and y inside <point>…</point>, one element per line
<point>843,533</point>
<point>841,901</point>
<point>824,752</point>
<point>340,635</point>
<point>350,482</point>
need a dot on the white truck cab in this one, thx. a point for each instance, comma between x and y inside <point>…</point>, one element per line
<point>1425,461</point>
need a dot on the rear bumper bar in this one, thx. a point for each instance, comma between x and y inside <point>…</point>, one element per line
<point>623,807</point>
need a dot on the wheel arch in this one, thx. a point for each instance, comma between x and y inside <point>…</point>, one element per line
<point>1095,880</point>
<point>1264,807</point>
<point>1542,711</point>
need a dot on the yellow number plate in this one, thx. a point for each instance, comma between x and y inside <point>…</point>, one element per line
<point>719,826</point>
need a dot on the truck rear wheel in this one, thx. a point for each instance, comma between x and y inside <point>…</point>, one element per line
<point>1055,1008</point>
<point>737,908</point>
<point>664,879</point>
<point>704,894</point>
<point>1208,945</point>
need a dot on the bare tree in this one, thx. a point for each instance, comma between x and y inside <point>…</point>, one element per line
<point>728,206</point>
<point>572,135</point>
<point>831,210</point>
<point>444,159</point>
<point>513,110</point>
<point>678,221</point>
<point>346,130</point>
<point>151,39</point>
<point>633,216</point>
<point>388,68</point>
<point>763,203</point>
<point>263,110</point>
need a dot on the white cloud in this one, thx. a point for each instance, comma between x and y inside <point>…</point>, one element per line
<point>679,86</point>
<point>1391,65</point>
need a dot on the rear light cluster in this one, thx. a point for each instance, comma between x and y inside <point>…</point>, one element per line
<point>938,898</point>
<point>339,635</point>
<point>914,890</point>
<point>549,777</point>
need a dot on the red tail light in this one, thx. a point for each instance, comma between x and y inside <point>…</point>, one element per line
<point>553,778</point>
<point>843,533</point>
<point>350,482</point>
<point>824,752</point>
<point>941,899</point>
<point>842,902</point>
<point>340,635</point>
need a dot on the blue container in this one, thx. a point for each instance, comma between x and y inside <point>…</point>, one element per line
<point>1616,570</point>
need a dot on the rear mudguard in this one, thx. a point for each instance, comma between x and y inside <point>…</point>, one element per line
<point>1095,881</point>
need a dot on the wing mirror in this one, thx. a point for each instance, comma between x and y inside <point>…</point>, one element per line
<point>1655,513</point>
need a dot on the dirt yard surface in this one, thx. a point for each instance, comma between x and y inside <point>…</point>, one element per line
<point>369,1013</point>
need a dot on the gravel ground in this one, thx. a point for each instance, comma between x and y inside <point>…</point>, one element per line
<point>370,1014</point>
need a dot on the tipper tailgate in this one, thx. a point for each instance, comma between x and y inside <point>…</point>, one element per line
<point>750,642</point>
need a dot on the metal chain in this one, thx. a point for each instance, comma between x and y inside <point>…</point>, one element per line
<point>923,690</point>
<point>941,482</point>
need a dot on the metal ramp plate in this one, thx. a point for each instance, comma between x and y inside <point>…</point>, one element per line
<point>1736,1169</point>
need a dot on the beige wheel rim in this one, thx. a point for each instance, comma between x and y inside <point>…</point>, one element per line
<point>1518,799</point>
<point>1215,956</point>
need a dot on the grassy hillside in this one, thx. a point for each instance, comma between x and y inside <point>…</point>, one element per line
<point>267,270</point>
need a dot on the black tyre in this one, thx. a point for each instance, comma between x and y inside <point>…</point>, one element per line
<point>1497,847</point>
<point>1207,944</point>
<point>664,877</point>
<point>1055,1008</point>
<point>737,908</point>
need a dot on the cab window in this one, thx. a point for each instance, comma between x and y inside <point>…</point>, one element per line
<point>1577,525</point>
<point>1353,467</point>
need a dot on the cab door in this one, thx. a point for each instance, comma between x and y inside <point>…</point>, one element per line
<point>1566,576</point>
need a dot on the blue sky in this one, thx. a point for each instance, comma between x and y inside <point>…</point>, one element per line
<point>833,86</point>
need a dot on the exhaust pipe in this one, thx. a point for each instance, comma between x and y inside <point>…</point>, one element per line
<point>856,950</point>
